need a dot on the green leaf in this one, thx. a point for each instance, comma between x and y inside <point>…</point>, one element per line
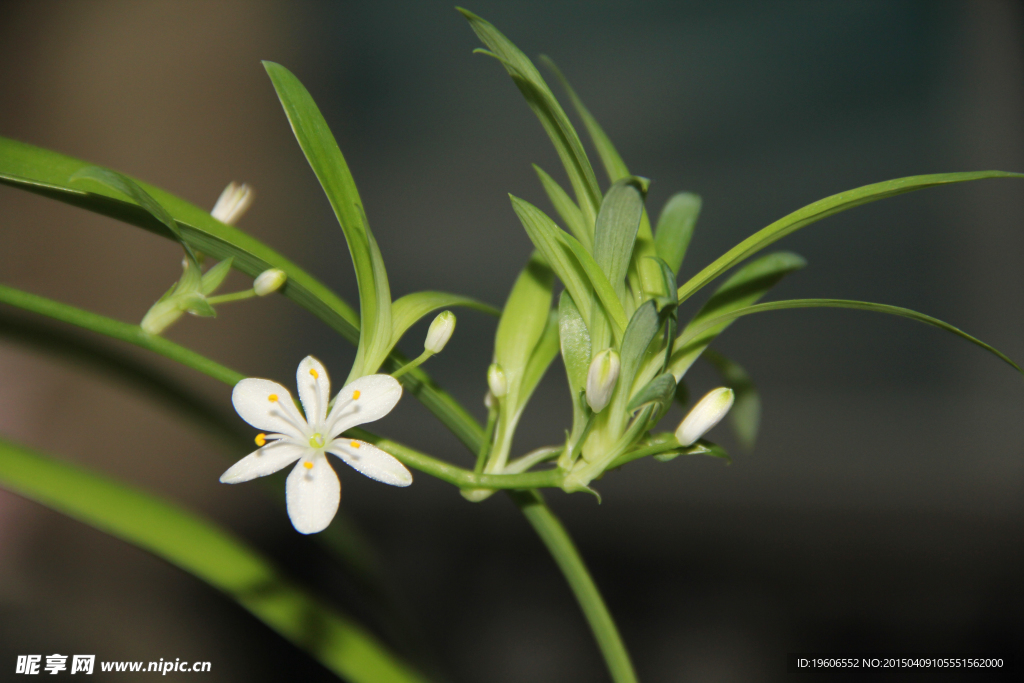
<point>132,334</point>
<point>567,209</point>
<point>613,164</point>
<point>47,173</point>
<point>688,336</point>
<point>327,162</point>
<point>127,186</point>
<point>547,238</point>
<point>530,83</point>
<point>214,277</point>
<point>523,319</point>
<point>209,553</point>
<point>745,415</point>
<point>702,447</point>
<point>575,344</point>
<point>668,298</point>
<point>540,360</point>
<point>616,228</point>
<point>643,327</point>
<point>659,390</point>
<point>602,288</point>
<point>411,308</point>
<point>675,228</point>
<point>822,209</point>
<point>744,287</point>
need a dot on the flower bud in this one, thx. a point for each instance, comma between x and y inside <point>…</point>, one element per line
<point>161,315</point>
<point>496,381</point>
<point>440,332</point>
<point>234,201</point>
<point>269,281</point>
<point>601,379</point>
<point>708,412</point>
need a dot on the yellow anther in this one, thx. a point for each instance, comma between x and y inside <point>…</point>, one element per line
<point>261,440</point>
<point>355,395</point>
<point>316,375</point>
<point>353,444</point>
<point>308,465</point>
<point>272,398</point>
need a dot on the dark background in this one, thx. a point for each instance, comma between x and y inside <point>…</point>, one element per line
<point>883,507</point>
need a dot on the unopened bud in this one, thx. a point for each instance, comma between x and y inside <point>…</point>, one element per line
<point>601,379</point>
<point>489,401</point>
<point>496,381</point>
<point>234,201</point>
<point>708,412</point>
<point>269,281</point>
<point>440,332</point>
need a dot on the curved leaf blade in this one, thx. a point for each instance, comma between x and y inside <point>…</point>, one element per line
<point>566,209</point>
<point>209,553</point>
<point>545,106</point>
<point>824,208</point>
<point>744,287</point>
<point>686,339</point>
<point>328,163</point>
<point>411,308</point>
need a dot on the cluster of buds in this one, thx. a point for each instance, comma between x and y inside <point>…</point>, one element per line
<point>192,293</point>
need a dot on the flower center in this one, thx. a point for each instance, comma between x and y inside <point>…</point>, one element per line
<point>317,440</point>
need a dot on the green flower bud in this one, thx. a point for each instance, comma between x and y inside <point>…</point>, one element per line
<point>601,379</point>
<point>269,281</point>
<point>496,381</point>
<point>440,332</point>
<point>708,412</point>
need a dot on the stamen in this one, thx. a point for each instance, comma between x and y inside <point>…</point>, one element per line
<point>272,398</point>
<point>308,465</point>
<point>316,375</point>
<point>355,395</point>
<point>353,444</point>
<point>261,440</point>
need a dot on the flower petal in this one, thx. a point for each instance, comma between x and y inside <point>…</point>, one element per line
<point>313,494</point>
<point>314,390</point>
<point>267,460</point>
<point>268,405</point>
<point>367,459</point>
<point>363,400</point>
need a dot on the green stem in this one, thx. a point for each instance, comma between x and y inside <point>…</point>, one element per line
<point>561,547</point>
<point>234,296</point>
<point>412,364</point>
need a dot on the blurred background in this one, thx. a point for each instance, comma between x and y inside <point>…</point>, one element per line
<point>883,507</point>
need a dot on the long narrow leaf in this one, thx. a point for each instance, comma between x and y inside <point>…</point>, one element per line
<point>209,553</point>
<point>325,158</point>
<point>683,343</point>
<point>566,209</point>
<point>47,173</point>
<point>743,288</point>
<point>613,164</point>
<point>824,208</point>
<point>540,98</point>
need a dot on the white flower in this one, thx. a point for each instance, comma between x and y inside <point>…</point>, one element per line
<point>313,490</point>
